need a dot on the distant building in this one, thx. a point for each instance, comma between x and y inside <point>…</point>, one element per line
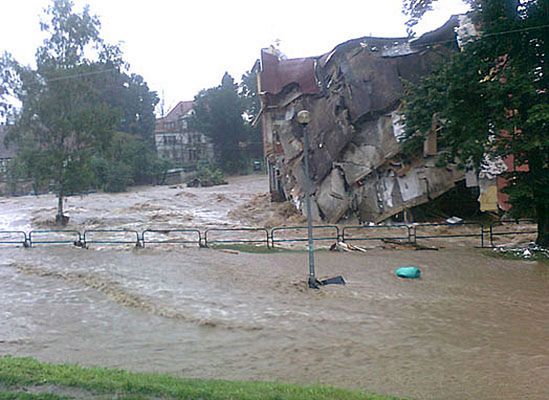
<point>176,142</point>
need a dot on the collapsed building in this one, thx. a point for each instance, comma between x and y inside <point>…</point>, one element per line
<point>353,94</point>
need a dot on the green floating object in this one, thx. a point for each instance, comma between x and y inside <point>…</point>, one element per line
<point>408,272</point>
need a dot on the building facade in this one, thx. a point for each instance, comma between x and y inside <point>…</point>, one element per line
<point>176,142</point>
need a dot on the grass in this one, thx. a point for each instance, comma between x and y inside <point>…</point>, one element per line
<point>30,396</point>
<point>18,375</point>
<point>247,248</point>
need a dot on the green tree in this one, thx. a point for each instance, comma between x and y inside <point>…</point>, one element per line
<point>416,9</point>
<point>252,108</point>
<point>82,120</point>
<point>491,99</point>
<point>219,114</point>
<point>62,120</point>
<point>130,94</point>
<point>127,161</point>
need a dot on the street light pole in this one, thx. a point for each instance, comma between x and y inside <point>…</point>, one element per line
<point>303,118</point>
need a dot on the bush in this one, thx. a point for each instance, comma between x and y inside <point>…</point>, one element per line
<point>208,175</point>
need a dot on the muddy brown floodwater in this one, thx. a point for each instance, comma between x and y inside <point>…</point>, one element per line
<point>242,202</point>
<point>473,327</point>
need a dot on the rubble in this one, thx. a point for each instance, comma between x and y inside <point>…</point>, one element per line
<point>527,252</point>
<point>354,96</point>
<point>346,247</point>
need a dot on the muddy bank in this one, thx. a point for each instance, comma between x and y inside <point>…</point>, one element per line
<point>472,327</point>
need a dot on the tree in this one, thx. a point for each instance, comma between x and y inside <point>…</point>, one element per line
<point>62,118</point>
<point>252,106</point>
<point>130,94</point>
<point>491,100</point>
<point>131,97</point>
<point>219,114</point>
<point>416,9</point>
<point>78,107</point>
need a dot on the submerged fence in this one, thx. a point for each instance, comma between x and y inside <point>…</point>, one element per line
<point>474,233</point>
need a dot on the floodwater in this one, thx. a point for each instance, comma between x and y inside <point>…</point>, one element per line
<point>473,327</point>
<point>161,207</point>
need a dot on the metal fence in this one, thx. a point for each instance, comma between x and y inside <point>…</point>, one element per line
<point>293,234</point>
<point>449,231</point>
<point>224,236</point>
<point>487,236</point>
<point>504,228</point>
<point>376,232</point>
<point>111,236</point>
<point>59,236</point>
<point>13,237</point>
<point>171,236</point>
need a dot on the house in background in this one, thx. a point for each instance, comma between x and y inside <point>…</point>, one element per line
<point>176,142</point>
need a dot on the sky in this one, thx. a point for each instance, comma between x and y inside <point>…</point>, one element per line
<point>181,47</point>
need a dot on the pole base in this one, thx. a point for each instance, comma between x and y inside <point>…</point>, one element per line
<point>313,283</point>
<point>316,284</point>
<point>336,280</point>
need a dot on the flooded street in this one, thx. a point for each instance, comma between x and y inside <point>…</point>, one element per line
<point>473,327</point>
<point>149,206</point>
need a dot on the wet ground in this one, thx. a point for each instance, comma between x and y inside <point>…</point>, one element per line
<point>472,327</point>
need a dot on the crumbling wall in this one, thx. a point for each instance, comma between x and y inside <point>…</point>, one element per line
<point>355,163</point>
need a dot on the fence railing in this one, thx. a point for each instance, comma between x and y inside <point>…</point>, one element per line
<point>292,234</point>
<point>55,236</point>
<point>111,236</point>
<point>171,236</point>
<point>498,228</point>
<point>449,231</point>
<point>14,237</point>
<point>376,232</point>
<point>224,236</point>
<point>487,236</point>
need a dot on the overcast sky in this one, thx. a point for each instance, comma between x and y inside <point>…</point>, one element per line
<point>180,47</point>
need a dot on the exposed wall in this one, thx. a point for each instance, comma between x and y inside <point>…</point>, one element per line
<point>356,164</point>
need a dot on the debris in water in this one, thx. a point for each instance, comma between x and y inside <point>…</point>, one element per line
<point>229,251</point>
<point>336,280</point>
<point>409,272</point>
<point>454,220</point>
<point>527,252</point>
<point>342,246</point>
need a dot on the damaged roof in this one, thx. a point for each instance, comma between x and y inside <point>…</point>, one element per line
<point>277,72</point>
<point>355,128</point>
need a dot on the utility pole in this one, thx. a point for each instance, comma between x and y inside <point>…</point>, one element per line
<point>303,118</point>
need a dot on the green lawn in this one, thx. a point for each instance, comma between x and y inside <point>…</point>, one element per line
<point>247,248</point>
<point>26,378</point>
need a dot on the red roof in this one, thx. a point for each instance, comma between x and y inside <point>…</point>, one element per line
<point>181,108</point>
<point>277,73</point>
